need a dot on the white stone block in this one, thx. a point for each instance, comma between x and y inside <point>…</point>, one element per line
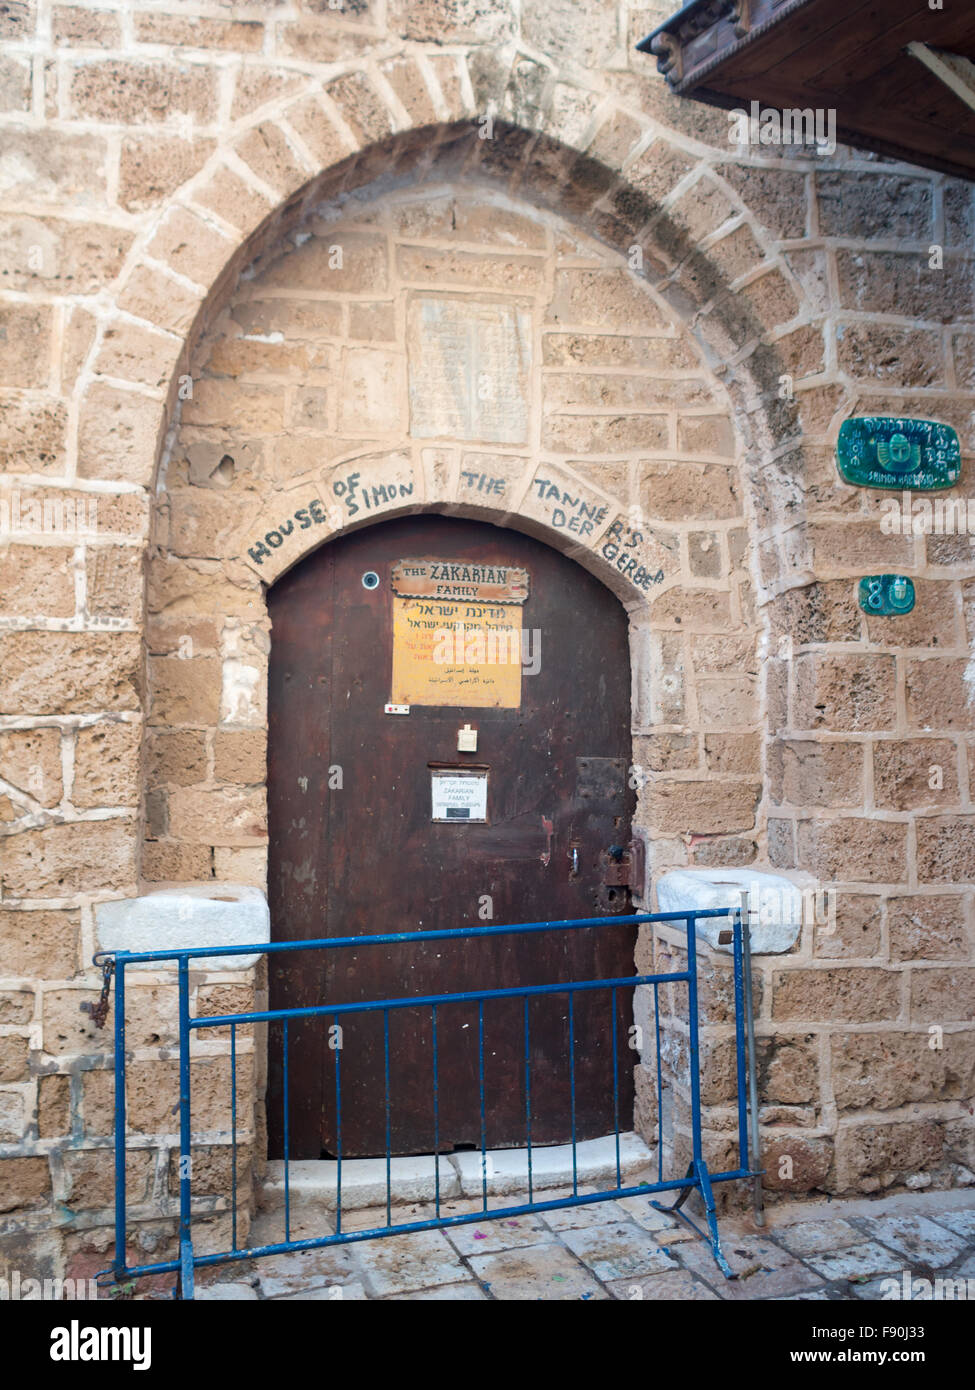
<point>507,1169</point>
<point>314,1182</point>
<point>775,905</point>
<point>199,914</point>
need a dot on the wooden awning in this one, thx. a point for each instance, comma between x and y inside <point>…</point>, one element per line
<point>899,75</point>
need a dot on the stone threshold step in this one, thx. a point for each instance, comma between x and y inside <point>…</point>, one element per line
<point>313,1182</point>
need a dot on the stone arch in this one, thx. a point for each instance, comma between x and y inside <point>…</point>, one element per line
<point>247,492</point>
<point>631,181</point>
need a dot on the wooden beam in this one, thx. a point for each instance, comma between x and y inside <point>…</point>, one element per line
<point>955,71</point>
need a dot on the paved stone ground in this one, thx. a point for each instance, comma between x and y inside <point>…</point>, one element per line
<point>622,1249</point>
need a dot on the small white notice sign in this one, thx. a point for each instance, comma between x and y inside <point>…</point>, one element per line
<point>459,796</point>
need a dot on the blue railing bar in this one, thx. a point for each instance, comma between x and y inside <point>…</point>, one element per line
<point>119,1263</point>
<point>480,1080</point>
<point>389,1185</point>
<point>572,1092</point>
<point>233,1129</point>
<point>616,1087</point>
<point>436,1115</point>
<point>694,1049</point>
<point>338,1040</point>
<point>262,948</point>
<point>743,1157</point>
<point>528,1097</point>
<point>287,1136</point>
<point>372,1005</point>
<point>644,1190</point>
<point>660,1087</point>
<point>185,1155</point>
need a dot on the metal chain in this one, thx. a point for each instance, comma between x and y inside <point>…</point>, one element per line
<point>99,1011</point>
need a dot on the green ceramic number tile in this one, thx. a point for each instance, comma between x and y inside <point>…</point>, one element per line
<point>883,451</point>
<point>886,595</point>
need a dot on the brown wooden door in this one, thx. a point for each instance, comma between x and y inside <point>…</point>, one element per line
<point>366,857</point>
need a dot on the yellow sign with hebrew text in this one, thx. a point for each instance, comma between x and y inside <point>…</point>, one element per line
<point>448,653</point>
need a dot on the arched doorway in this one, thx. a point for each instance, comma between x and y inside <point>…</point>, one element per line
<point>390,648</point>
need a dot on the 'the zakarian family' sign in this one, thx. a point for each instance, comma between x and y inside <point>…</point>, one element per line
<point>457,633</point>
<point>460,579</point>
<point>883,451</point>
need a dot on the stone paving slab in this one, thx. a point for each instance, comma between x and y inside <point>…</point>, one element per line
<point>818,1237</point>
<point>399,1264</point>
<point>549,1272</point>
<point>921,1241</point>
<point>764,1269</point>
<point>677,1285</point>
<point>619,1251</point>
<point>961,1222</point>
<point>503,1234</point>
<point>856,1261</point>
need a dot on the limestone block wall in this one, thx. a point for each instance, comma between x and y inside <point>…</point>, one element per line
<point>160,166</point>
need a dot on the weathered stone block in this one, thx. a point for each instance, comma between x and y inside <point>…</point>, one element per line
<point>152,167</point>
<point>928,928</point>
<point>53,1106</point>
<point>852,994</point>
<point>881,1071</point>
<point>107,769</point>
<point>54,254</point>
<point>844,693</point>
<point>64,859</point>
<point>240,757</point>
<point>32,433</point>
<point>702,808</point>
<point>24,1183</point>
<point>137,93</point>
<point>795,1163</point>
<point>25,345</point>
<point>911,774</point>
<point>872,1156</point>
<point>31,760</point>
<point>806,773</point>
<point>227,816</point>
<point>152,1094</point>
<point>945,849</point>
<point>680,492</point>
<point>939,694</point>
<point>854,849</point>
<point>13,1058</point>
<point>90,1175</point>
<point>185,691</point>
<point>45,945</point>
<point>118,433</point>
<point>943,995</point>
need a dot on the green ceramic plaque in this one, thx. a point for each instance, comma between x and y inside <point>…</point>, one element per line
<point>886,595</point>
<point>883,451</point>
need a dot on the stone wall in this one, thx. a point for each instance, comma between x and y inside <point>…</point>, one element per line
<point>168,177</point>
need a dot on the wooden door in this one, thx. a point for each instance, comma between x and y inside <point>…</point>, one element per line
<point>354,850</point>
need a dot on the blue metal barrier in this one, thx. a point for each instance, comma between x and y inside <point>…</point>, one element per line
<point>697,1178</point>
